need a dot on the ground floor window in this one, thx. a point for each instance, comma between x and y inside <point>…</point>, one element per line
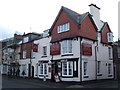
<point>67,68</point>
<point>109,69</point>
<point>98,67</point>
<point>43,68</point>
<point>85,68</point>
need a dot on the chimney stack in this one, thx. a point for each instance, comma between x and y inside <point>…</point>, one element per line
<point>95,12</point>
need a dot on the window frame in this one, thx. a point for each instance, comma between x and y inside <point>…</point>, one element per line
<point>44,51</point>
<point>109,68</point>
<point>66,47</point>
<point>110,52</point>
<point>24,54</point>
<point>25,39</point>
<point>63,28</point>
<point>85,68</point>
<point>98,67</point>
<point>43,69</point>
<point>110,37</point>
<point>67,69</point>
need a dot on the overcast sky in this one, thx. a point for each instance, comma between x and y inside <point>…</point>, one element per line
<point>20,15</point>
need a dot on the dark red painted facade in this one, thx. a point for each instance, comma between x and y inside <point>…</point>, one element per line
<point>28,48</point>
<point>86,29</point>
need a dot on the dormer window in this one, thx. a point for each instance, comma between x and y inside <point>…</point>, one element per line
<point>64,28</point>
<point>110,37</point>
<point>25,40</point>
<point>46,33</point>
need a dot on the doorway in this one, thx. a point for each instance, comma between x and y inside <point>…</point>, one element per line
<point>32,71</point>
<point>54,70</point>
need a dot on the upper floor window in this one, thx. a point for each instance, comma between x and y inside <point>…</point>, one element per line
<point>46,33</point>
<point>64,28</point>
<point>24,54</point>
<point>45,51</point>
<point>66,47</point>
<point>25,39</point>
<point>110,37</point>
<point>110,52</point>
<point>118,50</point>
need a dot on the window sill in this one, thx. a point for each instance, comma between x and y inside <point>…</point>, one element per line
<point>43,56</point>
<point>43,75</point>
<point>110,75</point>
<point>86,76</point>
<point>99,74</point>
<point>33,58</point>
<point>67,76</point>
<point>110,58</point>
<point>67,54</point>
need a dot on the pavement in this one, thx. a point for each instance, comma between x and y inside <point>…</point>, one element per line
<point>10,82</point>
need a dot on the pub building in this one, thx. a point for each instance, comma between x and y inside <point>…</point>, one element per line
<point>78,47</point>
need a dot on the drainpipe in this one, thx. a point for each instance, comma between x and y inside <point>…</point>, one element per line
<point>80,60</point>
<point>96,61</point>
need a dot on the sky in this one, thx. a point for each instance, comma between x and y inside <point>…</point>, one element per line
<point>39,15</point>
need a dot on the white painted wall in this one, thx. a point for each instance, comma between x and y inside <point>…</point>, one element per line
<point>90,62</point>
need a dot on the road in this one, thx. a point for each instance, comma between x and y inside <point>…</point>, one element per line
<point>8,82</point>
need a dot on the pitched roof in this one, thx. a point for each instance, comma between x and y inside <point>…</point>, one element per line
<point>73,15</point>
<point>105,24</point>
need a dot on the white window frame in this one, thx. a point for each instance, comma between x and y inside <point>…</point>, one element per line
<point>109,69</point>
<point>98,67</point>
<point>110,52</point>
<point>44,69</point>
<point>85,68</point>
<point>24,53</point>
<point>67,47</point>
<point>68,69</point>
<point>44,50</point>
<point>25,39</point>
<point>110,37</point>
<point>63,28</point>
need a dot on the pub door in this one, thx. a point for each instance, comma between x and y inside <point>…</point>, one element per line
<point>54,70</point>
